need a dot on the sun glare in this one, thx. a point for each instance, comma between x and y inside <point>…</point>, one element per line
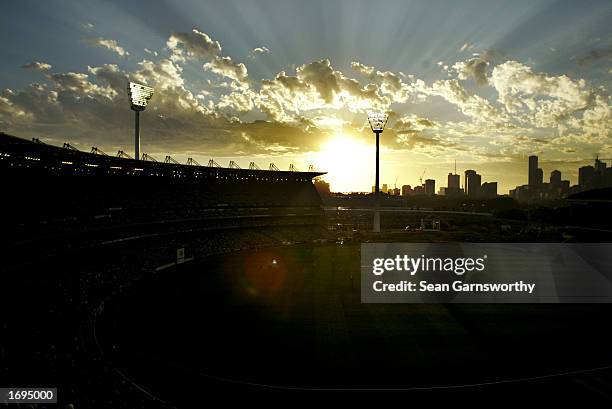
<point>347,162</point>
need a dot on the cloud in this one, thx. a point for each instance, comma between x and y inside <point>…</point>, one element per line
<point>475,68</point>
<point>391,84</point>
<point>471,105</point>
<point>595,55</point>
<point>546,99</point>
<point>412,123</point>
<point>290,112</point>
<point>91,108</point>
<point>237,102</point>
<point>37,65</point>
<point>316,86</point>
<point>152,52</point>
<point>466,47</point>
<point>111,45</point>
<point>32,105</point>
<point>362,68</point>
<point>163,74</point>
<point>92,105</point>
<point>595,124</point>
<point>194,44</point>
<point>112,76</point>
<point>423,136</point>
<point>266,137</point>
<point>259,51</point>
<point>225,67</point>
<point>327,82</point>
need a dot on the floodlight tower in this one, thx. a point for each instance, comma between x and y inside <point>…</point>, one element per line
<point>139,98</point>
<point>377,120</point>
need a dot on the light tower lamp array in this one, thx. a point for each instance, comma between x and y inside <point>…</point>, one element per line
<point>377,120</point>
<point>139,98</point>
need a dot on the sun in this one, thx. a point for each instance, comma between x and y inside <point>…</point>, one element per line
<point>346,160</point>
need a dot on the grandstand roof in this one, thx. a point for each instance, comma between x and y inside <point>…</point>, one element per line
<point>35,154</point>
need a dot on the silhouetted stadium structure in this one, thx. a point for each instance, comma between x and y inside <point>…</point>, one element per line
<point>83,226</point>
<point>59,190</point>
<point>592,207</point>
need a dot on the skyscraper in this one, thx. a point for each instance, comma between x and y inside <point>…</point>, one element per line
<point>454,188</point>
<point>555,178</point>
<point>489,189</point>
<point>472,183</point>
<point>585,176</point>
<point>535,175</point>
<point>430,187</point>
<point>453,181</point>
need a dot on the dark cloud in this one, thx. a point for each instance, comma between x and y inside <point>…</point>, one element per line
<point>194,44</point>
<point>412,124</point>
<point>595,55</point>
<point>474,68</point>
<point>92,109</point>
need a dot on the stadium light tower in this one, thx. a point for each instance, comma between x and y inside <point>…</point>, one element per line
<point>139,98</point>
<point>377,120</point>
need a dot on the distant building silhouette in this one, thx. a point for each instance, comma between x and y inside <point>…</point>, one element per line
<point>599,177</point>
<point>557,187</point>
<point>520,193</point>
<point>453,181</point>
<point>472,183</point>
<point>453,186</point>
<point>488,189</point>
<point>555,178</point>
<point>585,177</point>
<point>589,177</point>
<point>539,178</point>
<point>407,190</point>
<point>430,187</point>
<point>419,190</point>
<point>535,175</point>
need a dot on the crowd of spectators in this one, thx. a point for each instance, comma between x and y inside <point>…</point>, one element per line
<point>53,334</point>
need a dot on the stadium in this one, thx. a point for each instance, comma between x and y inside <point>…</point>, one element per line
<point>140,283</point>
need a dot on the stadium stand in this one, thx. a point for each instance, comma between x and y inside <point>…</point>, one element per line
<point>57,191</point>
<point>83,226</point>
<point>592,208</point>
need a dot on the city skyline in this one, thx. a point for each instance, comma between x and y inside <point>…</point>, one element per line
<point>484,83</point>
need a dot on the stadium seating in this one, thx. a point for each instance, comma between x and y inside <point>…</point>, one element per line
<point>55,191</point>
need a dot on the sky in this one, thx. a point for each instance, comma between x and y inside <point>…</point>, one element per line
<point>482,83</point>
